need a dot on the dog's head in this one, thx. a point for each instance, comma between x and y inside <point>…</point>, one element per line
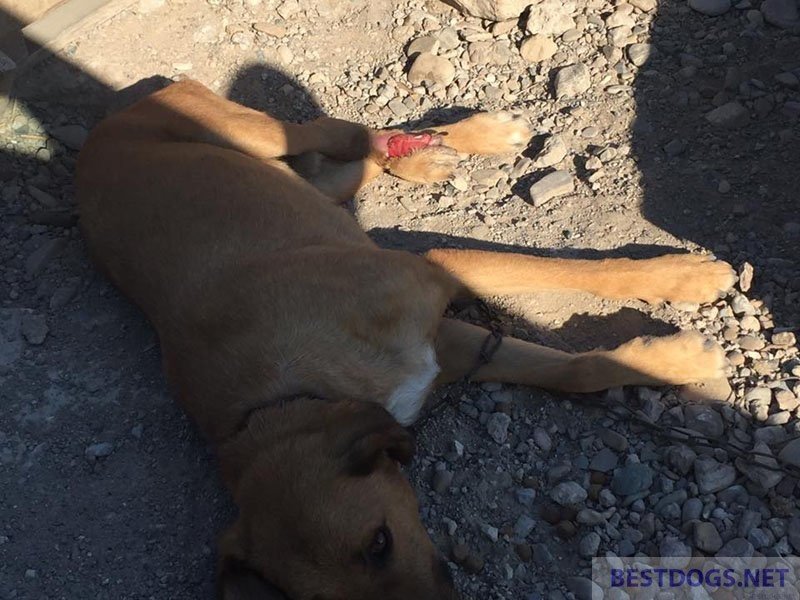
<point>327,514</point>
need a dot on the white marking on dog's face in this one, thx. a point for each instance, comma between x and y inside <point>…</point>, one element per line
<point>406,401</point>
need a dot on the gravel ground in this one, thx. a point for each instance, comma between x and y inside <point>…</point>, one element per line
<point>658,126</point>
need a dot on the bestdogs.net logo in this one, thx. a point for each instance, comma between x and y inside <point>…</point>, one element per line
<point>696,578</point>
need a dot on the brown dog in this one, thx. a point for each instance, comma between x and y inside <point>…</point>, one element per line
<point>300,348</point>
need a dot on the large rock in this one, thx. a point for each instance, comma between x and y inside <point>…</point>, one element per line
<point>493,10</point>
<point>551,17</point>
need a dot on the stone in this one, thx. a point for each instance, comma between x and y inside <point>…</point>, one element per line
<point>632,479</point>
<point>552,185</point>
<point>11,342</point>
<point>429,68</point>
<point>791,453</point>
<point>426,43</point>
<point>604,461</point>
<point>441,481</point>
<point>497,426</point>
<point>584,588</point>
<point>793,533</point>
<point>39,258</point>
<point>589,545</point>
<point>675,554</point>
<point>537,48</point>
<point>615,441</point>
<point>711,8</point>
<point>746,273</point>
<point>691,510</point>
<point>542,439</point>
<point>551,17</point>
<point>553,152</point>
<point>738,547</point>
<point>34,328</point>
<point>572,80</point>
<point>99,450</point>
<point>704,420</point>
<point>568,493</point>
<point>730,115</point>
<point>639,54</point>
<point>492,10</point>
<point>784,339</point>
<point>781,13</point>
<point>706,537</point>
<point>712,476</point>
<point>523,527</point>
<point>72,136</point>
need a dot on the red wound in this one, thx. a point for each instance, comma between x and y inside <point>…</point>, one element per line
<point>404,144</point>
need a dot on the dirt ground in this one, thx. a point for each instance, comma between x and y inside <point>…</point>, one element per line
<point>106,490</point>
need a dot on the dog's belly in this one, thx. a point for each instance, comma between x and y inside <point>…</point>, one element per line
<point>408,398</point>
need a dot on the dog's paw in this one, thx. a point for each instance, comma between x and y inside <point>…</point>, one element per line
<point>686,357</point>
<point>428,165</point>
<point>694,278</point>
<point>499,133</point>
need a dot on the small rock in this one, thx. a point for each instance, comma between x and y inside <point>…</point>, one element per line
<point>523,527</point>
<point>441,481</point>
<point>791,453</point>
<point>711,8</point>
<point>604,461</point>
<point>553,152</point>
<point>589,545</point>
<point>746,277</point>
<point>781,13</point>
<point>639,54</point>
<point>537,48</point>
<point>429,68</point>
<point>584,588</point>
<point>552,185</point>
<point>632,479</point>
<point>492,10</point>
<point>706,537</point>
<point>426,43</point>
<point>100,450</point>
<point>712,476</point>
<point>762,469</point>
<point>572,80</point>
<point>568,493</point>
<point>612,439</point>
<point>34,328</point>
<point>730,115</point>
<point>704,420</point>
<point>497,426</point>
<point>784,339</point>
<point>72,136</point>
<point>542,439</point>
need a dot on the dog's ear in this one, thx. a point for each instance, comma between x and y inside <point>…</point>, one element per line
<point>236,580</point>
<point>379,436</point>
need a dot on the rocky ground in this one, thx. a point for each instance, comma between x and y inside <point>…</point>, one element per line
<point>658,126</point>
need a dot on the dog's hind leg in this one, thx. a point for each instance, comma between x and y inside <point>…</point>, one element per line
<point>682,358</point>
<point>673,277</point>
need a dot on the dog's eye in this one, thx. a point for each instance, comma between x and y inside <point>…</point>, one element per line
<point>381,546</point>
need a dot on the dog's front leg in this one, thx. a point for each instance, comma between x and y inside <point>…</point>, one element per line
<point>685,357</point>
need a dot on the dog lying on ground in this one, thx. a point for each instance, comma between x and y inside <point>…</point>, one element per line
<point>301,349</point>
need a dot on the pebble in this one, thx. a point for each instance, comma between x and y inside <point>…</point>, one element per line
<point>705,420</point>
<point>639,54</point>
<point>425,43</point>
<point>34,328</point>
<point>706,537</point>
<point>442,479</point>
<point>553,152</point>
<point>552,185</point>
<point>430,69</point>
<point>730,115</point>
<point>791,453</point>
<point>538,48</point>
<point>604,461</point>
<point>784,339</point>
<point>584,588</point>
<point>523,527</point>
<point>711,8</point>
<point>781,13</point>
<point>99,450</point>
<point>568,493</point>
<point>612,439</point>
<point>632,479</point>
<point>589,545</point>
<point>793,533</point>
<point>572,81</point>
<point>746,273</point>
<point>712,476</point>
<point>497,426</point>
<point>542,439</point>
